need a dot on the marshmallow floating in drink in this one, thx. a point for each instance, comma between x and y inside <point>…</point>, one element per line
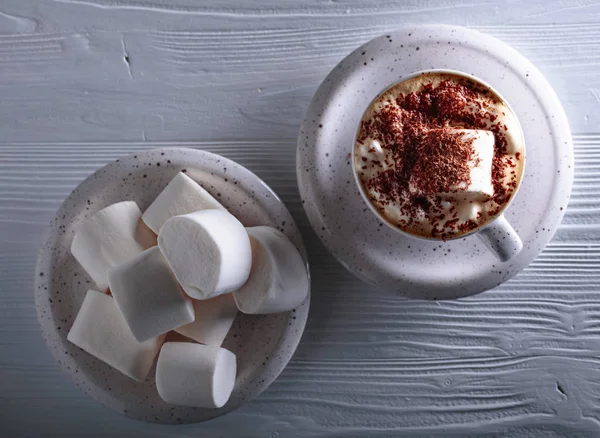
<point>208,251</point>
<point>101,330</point>
<point>461,157</point>
<point>278,280</point>
<point>107,239</point>
<point>214,318</point>
<point>148,295</point>
<point>181,196</point>
<point>195,375</point>
<point>480,161</point>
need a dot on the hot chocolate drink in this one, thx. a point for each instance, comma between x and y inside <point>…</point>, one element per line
<point>439,155</point>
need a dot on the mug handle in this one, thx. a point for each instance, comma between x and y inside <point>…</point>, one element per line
<point>501,239</point>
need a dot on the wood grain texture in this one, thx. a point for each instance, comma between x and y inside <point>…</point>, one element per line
<point>86,81</point>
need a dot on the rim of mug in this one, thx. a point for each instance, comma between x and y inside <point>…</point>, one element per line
<point>362,189</point>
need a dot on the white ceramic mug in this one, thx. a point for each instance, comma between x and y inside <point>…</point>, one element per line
<point>497,234</point>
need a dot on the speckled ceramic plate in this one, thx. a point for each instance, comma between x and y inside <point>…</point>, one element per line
<point>342,219</point>
<point>263,344</point>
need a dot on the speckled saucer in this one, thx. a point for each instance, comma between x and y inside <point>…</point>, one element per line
<point>263,344</point>
<point>344,222</point>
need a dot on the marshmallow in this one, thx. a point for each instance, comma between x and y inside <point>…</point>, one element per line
<point>101,330</point>
<point>148,295</point>
<point>107,239</point>
<point>481,145</point>
<point>196,375</point>
<point>208,251</point>
<point>214,318</point>
<point>278,280</point>
<point>181,196</point>
<point>145,236</point>
<point>480,162</point>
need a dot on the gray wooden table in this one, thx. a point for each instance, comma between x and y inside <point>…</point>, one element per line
<point>85,81</point>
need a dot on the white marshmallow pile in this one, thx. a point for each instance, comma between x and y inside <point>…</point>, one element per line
<point>193,278</point>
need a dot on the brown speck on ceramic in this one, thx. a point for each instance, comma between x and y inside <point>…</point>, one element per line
<point>263,344</point>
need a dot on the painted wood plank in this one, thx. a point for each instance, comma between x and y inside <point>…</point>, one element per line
<point>225,84</point>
